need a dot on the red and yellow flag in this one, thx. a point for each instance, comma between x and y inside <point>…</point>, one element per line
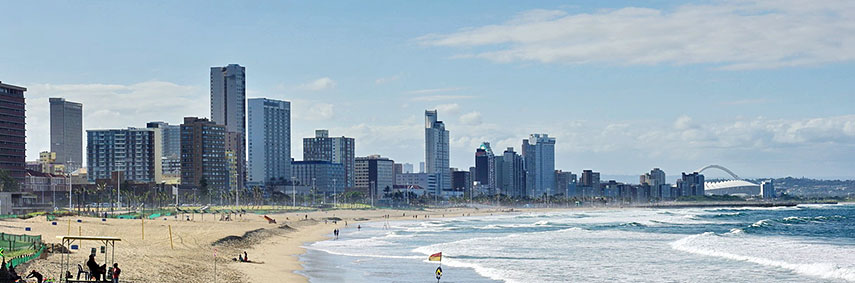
<point>435,257</point>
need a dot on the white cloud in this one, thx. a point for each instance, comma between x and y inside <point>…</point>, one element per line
<point>435,90</point>
<point>309,110</point>
<point>447,109</point>
<point>683,123</point>
<point>319,84</point>
<point>386,80</point>
<point>727,34</point>
<point>471,118</point>
<point>441,97</point>
<point>112,106</point>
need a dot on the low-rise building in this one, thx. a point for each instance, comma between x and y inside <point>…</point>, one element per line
<point>323,176</point>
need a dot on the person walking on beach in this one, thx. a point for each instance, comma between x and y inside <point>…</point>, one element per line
<point>116,272</point>
<point>358,227</point>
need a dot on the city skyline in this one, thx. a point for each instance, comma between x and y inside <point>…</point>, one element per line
<point>766,117</point>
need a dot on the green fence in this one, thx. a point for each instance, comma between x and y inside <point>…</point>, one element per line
<point>12,242</point>
<point>14,262</point>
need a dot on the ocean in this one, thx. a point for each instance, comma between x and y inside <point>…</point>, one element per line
<point>806,243</point>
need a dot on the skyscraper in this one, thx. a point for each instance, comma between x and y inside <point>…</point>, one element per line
<point>437,151</point>
<point>13,131</point>
<point>656,180</point>
<point>510,174</point>
<point>485,171</point>
<point>690,185</point>
<point>133,151</point>
<point>228,108</point>
<point>203,154</point>
<point>340,150</point>
<point>539,154</point>
<point>269,141</point>
<point>66,132</point>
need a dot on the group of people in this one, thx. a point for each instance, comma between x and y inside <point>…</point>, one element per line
<point>99,272</point>
<point>242,257</point>
<point>10,275</point>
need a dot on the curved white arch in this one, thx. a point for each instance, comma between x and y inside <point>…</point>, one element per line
<point>719,167</point>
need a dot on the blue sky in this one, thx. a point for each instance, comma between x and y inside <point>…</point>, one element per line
<point>762,87</point>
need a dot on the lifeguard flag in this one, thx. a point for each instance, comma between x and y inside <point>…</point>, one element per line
<point>435,257</point>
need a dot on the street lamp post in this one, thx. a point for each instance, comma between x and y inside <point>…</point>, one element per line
<point>293,192</point>
<point>335,198</point>
<point>314,190</point>
<point>68,182</point>
<point>371,193</point>
<point>119,190</point>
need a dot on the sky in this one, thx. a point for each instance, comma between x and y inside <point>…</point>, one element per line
<point>764,88</point>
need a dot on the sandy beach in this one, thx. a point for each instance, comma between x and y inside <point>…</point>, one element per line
<point>273,248</point>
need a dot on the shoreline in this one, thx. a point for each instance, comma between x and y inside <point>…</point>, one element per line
<point>284,251</point>
<point>274,249</point>
<point>280,254</point>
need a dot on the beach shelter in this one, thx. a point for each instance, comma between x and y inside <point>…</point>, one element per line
<point>65,261</point>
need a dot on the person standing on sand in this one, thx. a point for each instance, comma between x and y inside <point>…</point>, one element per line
<point>116,272</point>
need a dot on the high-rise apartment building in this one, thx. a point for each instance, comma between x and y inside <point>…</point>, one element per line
<point>767,189</point>
<point>340,150</point>
<point>228,108</point>
<point>461,181</point>
<point>656,180</point>
<point>66,132</point>
<point>589,184</point>
<point>565,183</point>
<point>269,141</point>
<point>135,152</point>
<point>376,173</point>
<point>539,154</point>
<point>203,154</point>
<point>13,153</point>
<point>171,138</point>
<point>170,155</point>
<point>437,151</point>
<point>485,166</point>
<point>690,184</point>
<point>511,174</point>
